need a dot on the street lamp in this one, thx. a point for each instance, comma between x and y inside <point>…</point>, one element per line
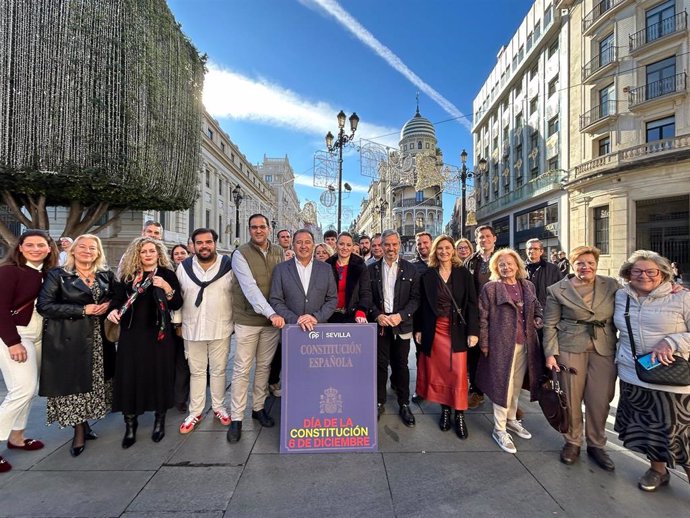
<point>341,141</point>
<point>381,209</point>
<point>464,175</point>
<point>273,226</point>
<point>237,198</point>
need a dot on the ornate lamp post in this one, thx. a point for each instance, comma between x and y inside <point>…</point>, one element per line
<point>464,175</point>
<point>381,209</point>
<point>273,226</point>
<point>237,198</point>
<point>339,143</point>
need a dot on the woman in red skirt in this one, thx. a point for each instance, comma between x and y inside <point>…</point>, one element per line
<point>446,324</point>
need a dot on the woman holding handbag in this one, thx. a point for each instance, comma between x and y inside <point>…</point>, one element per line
<point>446,324</point>
<point>21,276</point>
<point>147,291</point>
<point>652,419</point>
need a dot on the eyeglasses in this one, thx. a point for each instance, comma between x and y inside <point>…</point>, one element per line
<point>651,272</point>
<point>257,227</point>
<point>463,248</point>
<point>534,249</point>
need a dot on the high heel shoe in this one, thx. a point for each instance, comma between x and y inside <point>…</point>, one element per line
<point>77,441</point>
<point>131,425</point>
<point>89,434</point>
<point>460,425</point>
<point>444,420</point>
<point>158,427</point>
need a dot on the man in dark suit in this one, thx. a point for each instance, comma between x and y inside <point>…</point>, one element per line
<point>303,290</point>
<point>395,293</point>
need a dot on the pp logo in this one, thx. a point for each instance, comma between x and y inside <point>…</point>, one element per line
<point>313,334</point>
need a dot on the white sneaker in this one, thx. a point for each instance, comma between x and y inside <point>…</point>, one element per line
<point>275,390</point>
<point>516,427</point>
<point>505,441</point>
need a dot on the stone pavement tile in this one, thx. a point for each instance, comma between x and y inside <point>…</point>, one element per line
<point>268,440</point>
<point>172,514</point>
<point>313,485</point>
<point>394,436</point>
<point>106,452</point>
<point>465,484</point>
<point>190,489</point>
<point>584,489</point>
<point>73,493</point>
<point>544,438</point>
<point>213,449</point>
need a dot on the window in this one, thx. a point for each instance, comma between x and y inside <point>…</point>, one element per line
<point>222,147</point>
<point>518,122</point>
<point>419,144</point>
<point>553,126</point>
<point>427,145</point>
<point>661,78</point>
<point>220,229</point>
<point>606,50</point>
<point>661,129</point>
<point>419,196</point>
<point>553,48</point>
<point>190,213</point>
<point>210,133</point>
<point>547,15</point>
<point>521,53</point>
<point>553,86</point>
<point>533,106</point>
<point>537,30</point>
<point>553,164</point>
<point>601,228</point>
<point>518,89</point>
<point>604,145</point>
<point>268,178</point>
<point>529,41</point>
<point>534,72</point>
<point>606,101</point>
<point>208,178</point>
<point>208,218</point>
<point>660,20</point>
<point>220,186</point>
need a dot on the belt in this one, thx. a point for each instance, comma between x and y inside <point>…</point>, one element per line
<point>592,325</point>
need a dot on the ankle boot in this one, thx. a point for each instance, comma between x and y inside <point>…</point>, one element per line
<point>460,425</point>
<point>444,421</point>
<point>158,427</point>
<point>131,424</point>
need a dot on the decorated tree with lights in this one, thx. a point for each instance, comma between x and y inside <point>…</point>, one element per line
<point>100,111</point>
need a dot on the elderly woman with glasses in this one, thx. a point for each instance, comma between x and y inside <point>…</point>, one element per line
<point>653,419</point>
<point>464,248</point>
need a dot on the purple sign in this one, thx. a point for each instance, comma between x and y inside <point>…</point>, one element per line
<point>329,389</point>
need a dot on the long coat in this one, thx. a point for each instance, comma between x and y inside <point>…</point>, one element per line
<point>498,321</point>
<point>462,288</point>
<point>357,285</point>
<point>66,359</point>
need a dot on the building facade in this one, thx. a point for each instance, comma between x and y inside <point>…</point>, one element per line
<point>278,173</point>
<point>518,116</point>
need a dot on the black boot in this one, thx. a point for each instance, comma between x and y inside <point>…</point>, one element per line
<point>444,421</point>
<point>78,440</point>
<point>131,424</point>
<point>158,427</point>
<point>460,425</point>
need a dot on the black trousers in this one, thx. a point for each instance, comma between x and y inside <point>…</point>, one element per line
<point>473,354</point>
<point>181,373</point>
<point>392,351</point>
<point>276,366</point>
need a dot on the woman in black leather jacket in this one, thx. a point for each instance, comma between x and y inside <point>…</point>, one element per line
<point>77,361</point>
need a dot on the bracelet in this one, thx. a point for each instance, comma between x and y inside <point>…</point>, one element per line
<point>83,311</point>
<point>169,294</point>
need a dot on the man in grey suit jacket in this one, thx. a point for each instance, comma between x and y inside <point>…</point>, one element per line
<point>303,290</point>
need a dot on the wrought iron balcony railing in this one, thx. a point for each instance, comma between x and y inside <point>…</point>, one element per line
<point>656,89</point>
<point>599,61</point>
<point>605,109</point>
<point>658,30</point>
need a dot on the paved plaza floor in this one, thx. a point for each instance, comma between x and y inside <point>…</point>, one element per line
<point>417,471</point>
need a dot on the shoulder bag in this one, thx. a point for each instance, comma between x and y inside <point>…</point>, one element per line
<point>458,311</point>
<point>677,373</point>
<point>554,402</point>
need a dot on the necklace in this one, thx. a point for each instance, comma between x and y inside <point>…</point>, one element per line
<point>86,277</point>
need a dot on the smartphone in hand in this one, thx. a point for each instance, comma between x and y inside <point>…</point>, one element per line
<point>646,361</point>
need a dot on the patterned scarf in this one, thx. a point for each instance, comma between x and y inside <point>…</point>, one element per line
<point>140,285</point>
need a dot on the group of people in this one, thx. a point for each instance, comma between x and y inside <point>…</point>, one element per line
<point>484,323</point>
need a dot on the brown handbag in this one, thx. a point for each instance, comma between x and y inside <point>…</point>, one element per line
<point>553,401</point>
<point>111,331</point>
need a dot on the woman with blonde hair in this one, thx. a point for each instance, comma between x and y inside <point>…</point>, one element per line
<point>77,361</point>
<point>464,248</point>
<point>509,316</point>
<point>147,291</point>
<point>323,251</point>
<point>446,325</point>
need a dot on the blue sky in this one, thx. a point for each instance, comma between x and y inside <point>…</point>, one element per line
<point>280,71</point>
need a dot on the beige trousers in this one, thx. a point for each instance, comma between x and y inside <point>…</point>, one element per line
<point>517,375</point>
<point>200,355</point>
<point>254,344</point>
<point>595,384</point>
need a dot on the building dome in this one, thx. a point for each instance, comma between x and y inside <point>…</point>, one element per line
<point>418,126</point>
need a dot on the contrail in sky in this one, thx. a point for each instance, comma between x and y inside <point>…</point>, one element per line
<point>334,9</point>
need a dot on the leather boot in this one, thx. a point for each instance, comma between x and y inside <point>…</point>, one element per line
<point>158,427</point>
<point>444,420</point>
<point>460,425</point>
<point>131,425</point>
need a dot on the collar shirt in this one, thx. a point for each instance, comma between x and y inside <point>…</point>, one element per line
<point>390,274</point>
<point>212,320</point>
<point>304,273</point>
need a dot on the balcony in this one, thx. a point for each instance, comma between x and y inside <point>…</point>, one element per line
<point>677,24</point>
<point>600,65</point>
<point>598,116</point>
<point>412,202</point>
<point>543,184</point>
<point>664,88</point>
<point>595,17</point>
<point>635,155</point>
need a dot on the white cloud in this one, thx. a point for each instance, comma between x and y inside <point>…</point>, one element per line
<point>228,94</point>
<point>334,9</point>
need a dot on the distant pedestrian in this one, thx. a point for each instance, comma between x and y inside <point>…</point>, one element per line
<point>65,244</point>
<point>563,263</point>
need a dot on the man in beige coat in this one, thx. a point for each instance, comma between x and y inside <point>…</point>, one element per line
<point>578,328</point>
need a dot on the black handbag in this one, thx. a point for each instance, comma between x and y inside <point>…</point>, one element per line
<point>554,402</point>
<point>677,373</point>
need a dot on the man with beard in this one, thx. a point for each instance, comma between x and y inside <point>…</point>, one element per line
<point>257,324</point>
<point>423,243</point>
<point>365,247</point>
<point>205,281</point>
